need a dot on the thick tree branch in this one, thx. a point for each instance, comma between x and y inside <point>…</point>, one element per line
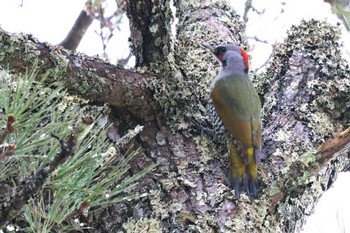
<point>150,30</point>
<point>303,105</point>
<point>305,94</point>
<point>305,99</point>
<point>309,164</point>
<point>88,77</point>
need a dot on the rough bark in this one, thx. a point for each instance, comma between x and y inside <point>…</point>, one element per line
<point>89,77</point>
<point>149,24</point>
<point>305,94</point>
<point>189,191</point>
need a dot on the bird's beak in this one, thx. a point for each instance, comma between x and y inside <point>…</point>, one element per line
<point>209,47</point>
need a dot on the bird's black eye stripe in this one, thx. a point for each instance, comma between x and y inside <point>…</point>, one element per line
<point>220,50</point>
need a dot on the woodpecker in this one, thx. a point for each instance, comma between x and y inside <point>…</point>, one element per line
<point>236,107</point>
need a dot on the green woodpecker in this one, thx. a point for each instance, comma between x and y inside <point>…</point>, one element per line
<point>236,109</point>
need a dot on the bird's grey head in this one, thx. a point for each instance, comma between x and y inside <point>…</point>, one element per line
<point>234,60</point>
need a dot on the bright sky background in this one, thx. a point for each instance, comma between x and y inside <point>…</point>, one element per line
<point>268,23</point>
<point>51,21</point>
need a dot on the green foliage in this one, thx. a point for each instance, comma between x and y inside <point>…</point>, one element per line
<point>38,114</point>
<point>343,14</point>
<point>93,178</point>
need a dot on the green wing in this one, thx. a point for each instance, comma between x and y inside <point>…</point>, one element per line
<point>238,106</point>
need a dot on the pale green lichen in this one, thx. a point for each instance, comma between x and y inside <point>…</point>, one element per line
<point>158,41</point>
<point>282,135</point>
<point>203,223</point>
<point>308,158</point>
<point>274,188</point>
<point>203,149</point>
<point>322,123</point>
<point>170,182</point>
<point>19,42</point>
<point>250,217</point>
<point>6,48</point>
<point>149,225</point>
<point>308,83</point>
<point>183,94</point>
<point>183,165</point>
<point>160,208</point>
<point>188,183</point>
<point>154,28</point>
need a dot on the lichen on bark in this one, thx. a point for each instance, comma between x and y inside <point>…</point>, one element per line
<point>306,94</point>
<point>305,97</point>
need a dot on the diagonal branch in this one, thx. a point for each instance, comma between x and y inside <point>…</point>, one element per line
<point>339,144</point>
<point>310,164</point>
<point>78,31</point>
<point>91,78</point>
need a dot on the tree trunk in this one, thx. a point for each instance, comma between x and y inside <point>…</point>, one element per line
<point>306,99</point>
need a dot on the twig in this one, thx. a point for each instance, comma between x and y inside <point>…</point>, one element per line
<point>8,128</point>
<point>7,150</point>
<point>257,39</point>
<point>16,199</point>
<point>340,143</point>
<point>248,6</point>
<point>267,60</point>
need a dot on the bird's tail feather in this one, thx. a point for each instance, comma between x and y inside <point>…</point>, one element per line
<point>244,171</point>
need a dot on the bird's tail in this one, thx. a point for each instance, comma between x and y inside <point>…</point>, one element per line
<point>244,169</point>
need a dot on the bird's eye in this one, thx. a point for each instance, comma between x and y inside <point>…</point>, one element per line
<point>220,51</point>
